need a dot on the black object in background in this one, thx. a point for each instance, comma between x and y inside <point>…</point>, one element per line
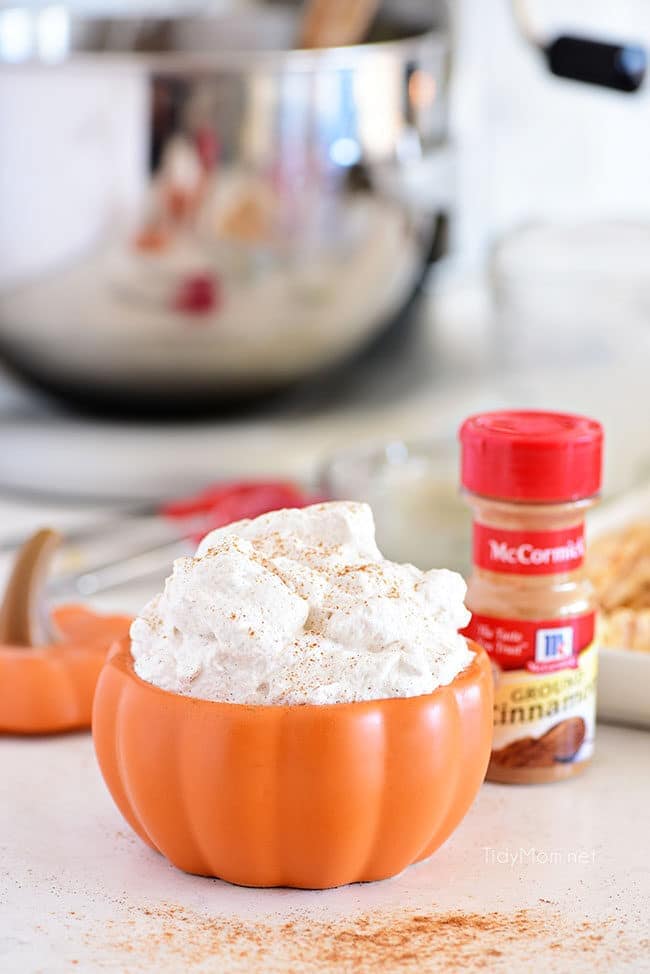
<point>618,66</point>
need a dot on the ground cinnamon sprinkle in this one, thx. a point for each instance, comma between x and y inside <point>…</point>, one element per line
<point>174,938</point>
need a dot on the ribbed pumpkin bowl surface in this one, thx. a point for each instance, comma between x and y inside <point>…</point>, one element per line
<point>303,796</point>
<point>49,689</point>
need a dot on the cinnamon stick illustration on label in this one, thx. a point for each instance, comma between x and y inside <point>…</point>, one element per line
<point>559,744</point>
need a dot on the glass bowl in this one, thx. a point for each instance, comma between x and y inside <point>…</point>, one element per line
<point>412,487</point>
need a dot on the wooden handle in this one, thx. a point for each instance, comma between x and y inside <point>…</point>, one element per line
<point>334,23</point>
<point>24,619</point>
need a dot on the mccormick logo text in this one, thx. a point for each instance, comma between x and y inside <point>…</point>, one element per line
<point>526,554</point>
<point>552,644</point>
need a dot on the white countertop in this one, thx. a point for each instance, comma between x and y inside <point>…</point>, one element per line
<point>540,878</point>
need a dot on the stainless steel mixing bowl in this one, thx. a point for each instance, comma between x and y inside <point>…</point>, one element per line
<point>191,209</point>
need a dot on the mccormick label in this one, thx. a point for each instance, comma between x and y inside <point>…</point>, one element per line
<point>545,688</point>
<point>538,647</point>
<point>529,552</point>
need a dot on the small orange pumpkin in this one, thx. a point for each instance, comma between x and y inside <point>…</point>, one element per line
<point>303,796</point>
<point>48,664</point>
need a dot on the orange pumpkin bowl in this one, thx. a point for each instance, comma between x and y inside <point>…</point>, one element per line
<point>302,796</point>
<point>50,689</point>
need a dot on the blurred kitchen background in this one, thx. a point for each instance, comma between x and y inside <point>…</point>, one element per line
<point>242,268</point>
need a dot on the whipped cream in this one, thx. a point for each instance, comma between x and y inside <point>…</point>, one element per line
<point>299,606</point>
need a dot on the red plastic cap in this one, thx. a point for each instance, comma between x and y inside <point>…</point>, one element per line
<point>531,456</point>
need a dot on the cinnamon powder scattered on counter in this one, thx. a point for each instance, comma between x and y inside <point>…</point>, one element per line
<point>173,938</point>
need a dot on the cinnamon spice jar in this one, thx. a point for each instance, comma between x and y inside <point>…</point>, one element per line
<point>530,478</point>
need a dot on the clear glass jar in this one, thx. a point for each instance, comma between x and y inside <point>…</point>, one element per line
<point>530,596</point>
<point>412,487</point>
<point>532,606</point>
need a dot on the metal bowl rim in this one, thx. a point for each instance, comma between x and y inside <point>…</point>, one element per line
<point>244,60</point>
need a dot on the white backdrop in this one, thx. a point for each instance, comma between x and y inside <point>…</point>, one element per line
<point>533,146</point>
